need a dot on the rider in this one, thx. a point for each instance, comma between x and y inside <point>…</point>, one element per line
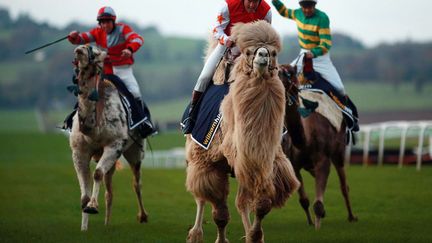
<point>233,11</point>
<point>315,40</point>
<point>120,42</point>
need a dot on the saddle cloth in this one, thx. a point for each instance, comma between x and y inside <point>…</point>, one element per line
<point>209,116</point>
<point>135,115</point>
<point>341,102</point>
<point>326,107</point>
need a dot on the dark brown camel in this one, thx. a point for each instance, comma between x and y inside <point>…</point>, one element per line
<point>312,143</point>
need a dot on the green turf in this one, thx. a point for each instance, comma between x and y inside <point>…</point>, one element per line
<point>39,202</point>
<point>378,96</point>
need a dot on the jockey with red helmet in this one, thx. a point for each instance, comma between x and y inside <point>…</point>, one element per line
<point>120,42</point>
<point>232,11</point>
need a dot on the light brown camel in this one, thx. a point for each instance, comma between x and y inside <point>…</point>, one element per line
<point>100,131</point>
<point>249,140</point>
<point>313,143</point>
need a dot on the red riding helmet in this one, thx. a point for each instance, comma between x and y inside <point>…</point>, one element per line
<point>106,13</point>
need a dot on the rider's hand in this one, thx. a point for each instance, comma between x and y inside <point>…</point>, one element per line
<point>74,37</point>
<point>309,55</point>
<point>229,43</point>
<point>126,53</point>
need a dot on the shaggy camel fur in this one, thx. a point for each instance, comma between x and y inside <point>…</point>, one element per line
<point>100,131</point>
<point>313,143</point>
<point>249,140</point>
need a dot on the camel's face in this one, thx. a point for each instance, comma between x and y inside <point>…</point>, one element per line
<point>264,57</point>
<point>87,55</point>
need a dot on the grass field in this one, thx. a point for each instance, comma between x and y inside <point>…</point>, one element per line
<point>39,202</point>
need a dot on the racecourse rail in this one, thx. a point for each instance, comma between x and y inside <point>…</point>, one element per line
<point>175,158</point>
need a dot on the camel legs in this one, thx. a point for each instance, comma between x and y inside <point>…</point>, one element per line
<point>322,170</point>
<point>106,162</point>
<point>108,194</point>
<point>243,208</point>
<point>209,184</point>
<point>82,167</point>
<point>345,192</point>
<point>303,198</point>
<point>196,232</point>
<point>256,233</point>
<point>134,155</point>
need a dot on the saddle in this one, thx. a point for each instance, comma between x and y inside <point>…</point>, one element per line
<point>137,113</point>
<point>312,80</point>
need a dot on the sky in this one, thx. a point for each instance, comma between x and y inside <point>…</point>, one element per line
<point>370,21</point>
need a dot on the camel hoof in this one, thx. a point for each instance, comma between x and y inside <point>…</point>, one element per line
<point>195,236</point>
<point>222,241</point>
<point>352,218</point>
<point>90,210</point>
<point>142,218</point>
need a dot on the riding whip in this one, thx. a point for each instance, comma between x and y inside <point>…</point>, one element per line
<point>51,43</point>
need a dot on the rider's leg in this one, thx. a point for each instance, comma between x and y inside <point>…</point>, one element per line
<point>125,73</point>
<point>203,81</point>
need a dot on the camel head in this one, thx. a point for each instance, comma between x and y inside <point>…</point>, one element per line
<point>259,44</point>
<point>87,56</point>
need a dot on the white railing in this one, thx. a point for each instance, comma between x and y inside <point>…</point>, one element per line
<point>402,129</point>
<point>174,158</point>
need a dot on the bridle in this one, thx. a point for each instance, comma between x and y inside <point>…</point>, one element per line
<point>291,89</point>
<point>270,67</point>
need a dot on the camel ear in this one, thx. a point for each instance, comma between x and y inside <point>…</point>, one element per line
<point>102,55</point>
<point>99,54</point>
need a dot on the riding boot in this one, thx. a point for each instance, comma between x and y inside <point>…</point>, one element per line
<point>67,123</point>
<point>146,128</point>
<point>189,122</point>
<point>308,70</point>
<point>350,104</point>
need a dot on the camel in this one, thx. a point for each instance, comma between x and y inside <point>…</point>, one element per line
<point>314,143</point>
<point>100,131</point>
<point>248,141</point>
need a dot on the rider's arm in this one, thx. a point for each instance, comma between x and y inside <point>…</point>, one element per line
<point>283,11</point>
<point>268,17</point>
<point>325,38</point>
<point>134,41</point>
<point>77,38</point>
<point>222,21</point>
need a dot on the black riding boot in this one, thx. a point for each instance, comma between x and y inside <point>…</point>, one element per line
<point>353,108</point>
<point>189,122</point>
<point>146,128</point>
<point>67,123</point>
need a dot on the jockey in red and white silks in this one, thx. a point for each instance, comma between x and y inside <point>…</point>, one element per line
<point>232,11</point>
<point>119,41</point>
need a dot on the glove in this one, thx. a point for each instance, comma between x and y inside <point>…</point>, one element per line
<point>74,37</point>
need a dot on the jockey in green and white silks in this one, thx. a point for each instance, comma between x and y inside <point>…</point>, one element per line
<point>315,40</point>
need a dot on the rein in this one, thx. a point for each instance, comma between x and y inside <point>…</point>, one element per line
<point>97,94</point>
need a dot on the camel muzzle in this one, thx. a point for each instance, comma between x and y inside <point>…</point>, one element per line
<point>262,58</point>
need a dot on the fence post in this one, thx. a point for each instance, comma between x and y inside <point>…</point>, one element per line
<point>383,128</point>
<point>366,145</point>
<point>402,146</point>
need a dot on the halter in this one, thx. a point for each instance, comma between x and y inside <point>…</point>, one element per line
<point>270,67</point>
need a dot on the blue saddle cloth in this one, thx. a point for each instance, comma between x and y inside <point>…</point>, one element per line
<point>209,117</point>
